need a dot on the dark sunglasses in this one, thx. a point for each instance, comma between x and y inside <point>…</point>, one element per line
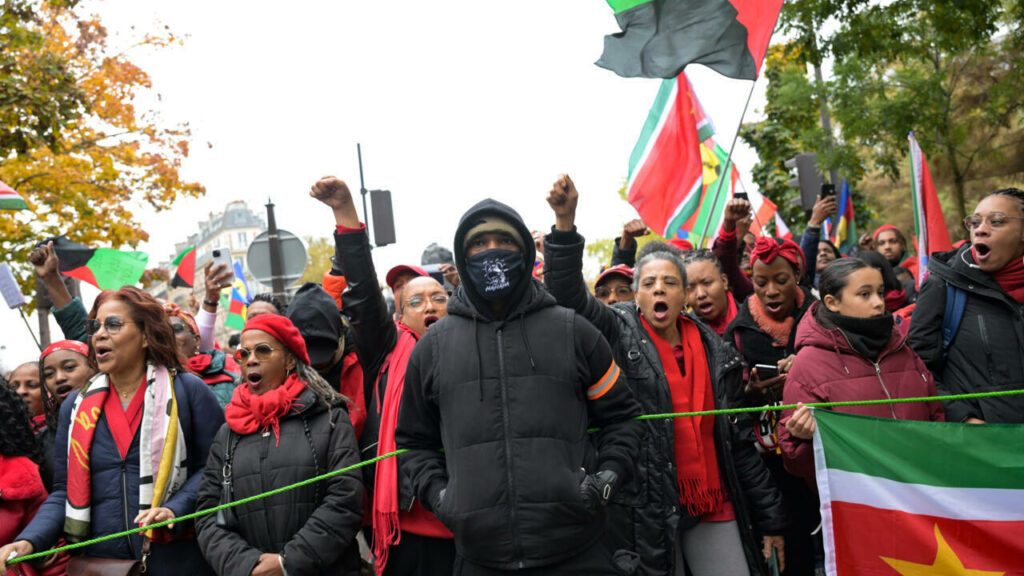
<point>262,352</point>
<point>113,324</point>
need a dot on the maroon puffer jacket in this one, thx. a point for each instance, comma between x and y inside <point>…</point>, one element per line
<point>828,369</point>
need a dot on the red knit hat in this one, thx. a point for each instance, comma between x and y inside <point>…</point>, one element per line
<point>73,345</point>
<point>883,228</point>
<point>767,249</point>
<point>283,330</point>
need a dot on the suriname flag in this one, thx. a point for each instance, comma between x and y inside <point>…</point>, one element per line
<point>914,498</point>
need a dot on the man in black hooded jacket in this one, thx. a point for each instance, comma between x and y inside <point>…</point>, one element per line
<point>508,385</point>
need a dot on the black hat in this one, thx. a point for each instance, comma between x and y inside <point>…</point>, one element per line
<point>315,313</point>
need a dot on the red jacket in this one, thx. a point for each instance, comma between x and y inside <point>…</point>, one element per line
<point>21,494</point>
<point>827,369</point>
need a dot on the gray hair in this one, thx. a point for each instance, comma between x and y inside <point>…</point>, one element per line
<point>658,251</point>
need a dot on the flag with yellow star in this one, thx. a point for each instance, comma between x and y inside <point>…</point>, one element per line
<point>907,498</point>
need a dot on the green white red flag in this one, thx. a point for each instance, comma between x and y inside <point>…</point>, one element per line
<point>675,168</point>
<point>912,498</point>
<point>11,200</point>
<point>932,234</point>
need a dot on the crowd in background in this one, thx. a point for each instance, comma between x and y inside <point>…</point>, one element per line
<point>490,368</point>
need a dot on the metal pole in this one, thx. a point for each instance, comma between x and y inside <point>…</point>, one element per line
<point>276,268</point>
<point>29,326</point>
<point>727,172</point>
<point>362,189</point>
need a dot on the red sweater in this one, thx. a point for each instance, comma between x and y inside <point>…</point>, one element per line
<point>21,494</point>
<point>827,369</point>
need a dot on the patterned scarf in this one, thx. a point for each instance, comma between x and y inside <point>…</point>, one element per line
<point>162,450</point>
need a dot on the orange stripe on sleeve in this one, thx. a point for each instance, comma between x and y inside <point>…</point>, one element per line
<point>605,383</point>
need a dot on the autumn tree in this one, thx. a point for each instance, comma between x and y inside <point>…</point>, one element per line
<point>92,157</point>
<point>318,261</point>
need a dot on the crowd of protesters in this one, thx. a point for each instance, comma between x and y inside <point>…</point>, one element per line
<point>511,391</point>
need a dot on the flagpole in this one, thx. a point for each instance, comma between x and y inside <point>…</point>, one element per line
<point>727,174</point>
<point>29,326</point>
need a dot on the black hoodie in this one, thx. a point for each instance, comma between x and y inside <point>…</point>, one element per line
<point>510,401</point>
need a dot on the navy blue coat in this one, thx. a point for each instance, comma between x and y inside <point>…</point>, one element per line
<point>115,485</point>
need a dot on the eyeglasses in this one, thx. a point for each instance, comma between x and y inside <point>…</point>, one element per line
<point>417,302</point>
<point>262,352</point>
<point>113,324</point>
<point>178,327</point>
<point>996,220</point>
<point>620,291</point>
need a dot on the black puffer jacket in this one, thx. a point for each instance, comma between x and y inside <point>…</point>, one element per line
<point>646,515</point>
<point>987,353</point>
<point>507,400</point>
<point>313,527</point>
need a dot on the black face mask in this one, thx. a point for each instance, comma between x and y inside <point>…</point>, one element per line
<point>495,273</point>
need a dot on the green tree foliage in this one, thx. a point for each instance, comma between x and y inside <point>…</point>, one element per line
<point>951,71</point>
<point>318,260</point>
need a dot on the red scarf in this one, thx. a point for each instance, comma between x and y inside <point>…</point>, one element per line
<point>722,323</point>
<point>124,422</point>
<point>779,331</point>
<point>199,363</point>
<point>895,299</point>
<point>248,413</point>
<point>1011,279</point>
<point>386,525</point>
<point>700,486</point>
<point>38,423</point>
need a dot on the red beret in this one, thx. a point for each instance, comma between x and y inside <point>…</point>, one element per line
<point>73,345</point>
<point>283,330</point>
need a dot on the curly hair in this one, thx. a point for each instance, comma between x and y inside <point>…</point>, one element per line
<point>148,314</point>
<point>269,298</point>
<point>15,421</point>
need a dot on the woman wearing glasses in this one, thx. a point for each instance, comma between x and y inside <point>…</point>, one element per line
<point>974,296</point>
<point>139,435</point>
<point>216,368</point>
<point>284,424</point>
<point>407,540</point>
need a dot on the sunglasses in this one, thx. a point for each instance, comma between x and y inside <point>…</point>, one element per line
<point>180,327</point>
<point>113,324</point>
<point>262,352</point>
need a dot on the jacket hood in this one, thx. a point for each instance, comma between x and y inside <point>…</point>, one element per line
<point>490,207</point>
<point>810,332</point>
<point>19,479</point>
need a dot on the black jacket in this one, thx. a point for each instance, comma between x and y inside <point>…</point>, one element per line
<point>376,337</point>
<point>313,527</point>
<point>507,400</point>
<point>647,514</point>
<point>987,353</point>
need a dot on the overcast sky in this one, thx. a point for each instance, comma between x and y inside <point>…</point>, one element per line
<point>452,102</point>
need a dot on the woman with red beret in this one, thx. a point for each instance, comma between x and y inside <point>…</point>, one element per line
<point>284,424</point>
<point>764,332</point>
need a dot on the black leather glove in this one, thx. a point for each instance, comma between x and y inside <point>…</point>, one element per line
<point>597,489</point>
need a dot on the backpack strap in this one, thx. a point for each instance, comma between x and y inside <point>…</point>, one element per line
<point>952,316</point>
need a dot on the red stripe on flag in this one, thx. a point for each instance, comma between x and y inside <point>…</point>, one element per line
<point>865,535</point>
<point>236,307</point>
<point>938,234</point>
<point>758,17</point>
<point>84,274</point>
<point>672,167</point>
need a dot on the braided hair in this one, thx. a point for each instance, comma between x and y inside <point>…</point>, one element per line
<point>1015,193</point>
<point>17,438</point>
<point>703,255</point>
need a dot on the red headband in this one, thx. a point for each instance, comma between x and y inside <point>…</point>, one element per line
<point>283,330</point>
<point>73,345</point>
<point>883,228</point>
<point>766,249</point>
<point>172,309</point>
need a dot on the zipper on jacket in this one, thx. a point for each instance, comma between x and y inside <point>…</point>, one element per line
<point>508,449</point>
<point>124,503</point>
<point>878,372</point>
<point>987,347</point>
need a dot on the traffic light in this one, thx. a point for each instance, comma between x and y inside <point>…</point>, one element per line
<point>807,178</point>
<point>383,217</point>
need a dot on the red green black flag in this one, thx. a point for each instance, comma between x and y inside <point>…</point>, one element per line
<point>186,273</point>
<point>660,37</point>
<point>104,268</point>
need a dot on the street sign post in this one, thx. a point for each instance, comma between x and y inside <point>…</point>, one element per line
<point>293,258</point>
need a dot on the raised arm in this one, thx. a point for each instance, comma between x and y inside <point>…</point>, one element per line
<point>726,249</point>
<point>563,261</point>
<point>362,301</point>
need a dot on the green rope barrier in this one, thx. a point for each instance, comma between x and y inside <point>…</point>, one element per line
<point>193,515</point>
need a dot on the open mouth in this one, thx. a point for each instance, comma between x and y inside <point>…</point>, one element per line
<point>705,308</point>
<point>660,311</point>
<point>982,252</point>
<point>773,307</point>
<point>254,379</point>
<point>428,320</point>
<point>103,352</point>
<point>63,390</point>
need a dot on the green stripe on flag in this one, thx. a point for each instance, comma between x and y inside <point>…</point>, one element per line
<point>987,456</point>
<point>618,6</point>
<point>659,109</point>
<point>114,268</point>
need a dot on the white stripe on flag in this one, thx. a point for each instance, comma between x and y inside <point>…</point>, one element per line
<point>990,504</point>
